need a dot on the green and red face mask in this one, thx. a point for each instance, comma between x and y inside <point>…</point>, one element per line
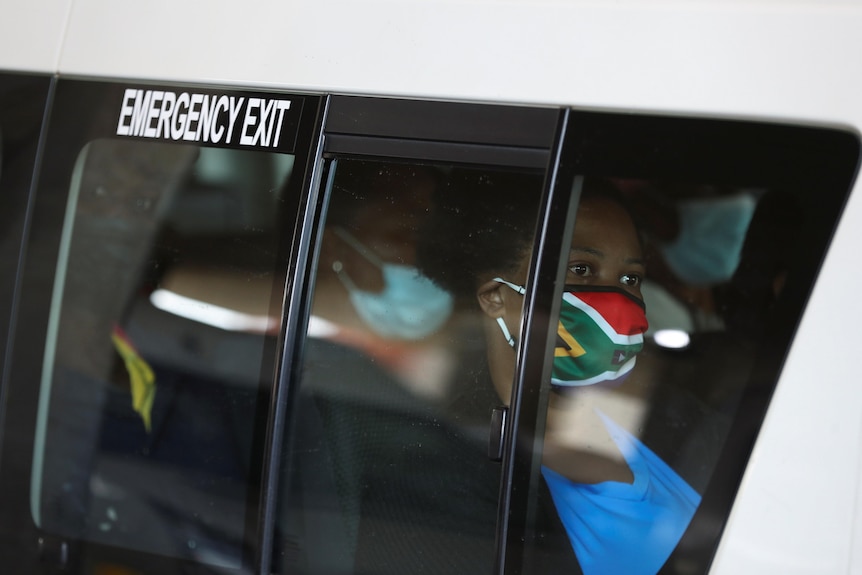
<point>599,334</point>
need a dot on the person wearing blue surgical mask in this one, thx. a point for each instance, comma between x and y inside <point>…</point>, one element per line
<point>409,306</point>
<point>368,293</point>
<point>370,477</point>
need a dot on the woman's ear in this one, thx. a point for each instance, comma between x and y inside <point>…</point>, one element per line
<point>491,299</point>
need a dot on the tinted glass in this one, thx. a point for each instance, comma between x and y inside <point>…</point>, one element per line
<point>674,304</point>
<point>156,347</point>
<point>150,314</point>
<point>388,468</point>
<point>663,282</point>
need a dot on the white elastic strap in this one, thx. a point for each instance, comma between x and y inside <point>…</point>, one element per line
<point>506,332</point>
<point>521,290</point>
<point>342,276</point>
<point>351,240</point>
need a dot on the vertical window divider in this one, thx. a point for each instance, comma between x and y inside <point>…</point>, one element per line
<point>544,282</point>
<point>294,313</point>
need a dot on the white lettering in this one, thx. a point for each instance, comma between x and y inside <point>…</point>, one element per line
<point>264,129</point>
<point>142,103</point>
<point>250,120</point>
<point>178,127</point>
<point>218,131</point>
<point>168,103</point>
<point>125,122</point>
<point>281,106</point>
<point>234,112</point>
<point>196,117</point>
<point>152,114</point>
<point>205,124</point>
<point>192,124</point>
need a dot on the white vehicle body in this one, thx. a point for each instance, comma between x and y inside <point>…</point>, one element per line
<point>799,509</point>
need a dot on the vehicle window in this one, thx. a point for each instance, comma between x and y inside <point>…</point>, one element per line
<point>675,300</point>
<point>156,347</point>
<point>388,470</point>
<point>664,283</point>
<point>150,313</point>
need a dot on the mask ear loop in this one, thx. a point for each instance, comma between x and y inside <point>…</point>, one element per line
<point>342,276</point>
<point>520,289</point>
<point>338,267</point>
<point>350,240</point>
<point>506,333</point>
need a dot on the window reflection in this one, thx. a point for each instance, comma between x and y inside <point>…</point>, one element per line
<point>388,466</point>
<point>626,460</point>
<point>155,357</point>
<point>663,283</point>
<point>635,419</point>
<point>368,288</point>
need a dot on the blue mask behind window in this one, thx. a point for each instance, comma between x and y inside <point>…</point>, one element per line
<point>712,231</point>
<point>409,307</point>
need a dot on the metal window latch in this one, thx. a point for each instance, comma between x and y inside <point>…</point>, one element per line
<point>499,421</point>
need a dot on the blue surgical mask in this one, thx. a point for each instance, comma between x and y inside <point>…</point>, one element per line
<point>409,307</point>
<point>712,231</point>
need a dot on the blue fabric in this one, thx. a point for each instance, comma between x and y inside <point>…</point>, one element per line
<point>620,528</point>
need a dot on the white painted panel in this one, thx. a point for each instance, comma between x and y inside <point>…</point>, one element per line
<point>31,34</point>
<point>766,59</point>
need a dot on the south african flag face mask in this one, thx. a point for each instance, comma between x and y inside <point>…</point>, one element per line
<point>599,334</point>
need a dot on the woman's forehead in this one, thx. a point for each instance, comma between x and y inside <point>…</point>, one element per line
<point>604,225</point>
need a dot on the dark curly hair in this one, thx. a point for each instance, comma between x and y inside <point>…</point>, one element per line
<point>482,221</point>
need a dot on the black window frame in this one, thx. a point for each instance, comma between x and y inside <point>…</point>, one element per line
<point>23,105</point>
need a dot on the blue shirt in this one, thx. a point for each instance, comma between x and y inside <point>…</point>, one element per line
<point>621,528</point>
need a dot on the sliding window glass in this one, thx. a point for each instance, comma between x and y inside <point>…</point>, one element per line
<point>393,452</point>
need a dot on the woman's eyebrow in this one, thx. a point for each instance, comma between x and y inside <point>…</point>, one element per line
<point>639,261</point>
<point>588,250</point>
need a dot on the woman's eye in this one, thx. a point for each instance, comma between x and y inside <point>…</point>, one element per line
<point>630,280</point>
<point>581,270</point>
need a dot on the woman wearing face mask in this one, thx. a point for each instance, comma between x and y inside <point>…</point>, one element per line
<point>607,501</point>
<point>376,480</point>
<point>369,296</point>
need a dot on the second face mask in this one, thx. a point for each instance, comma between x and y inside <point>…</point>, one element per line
<point>409,307</point>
